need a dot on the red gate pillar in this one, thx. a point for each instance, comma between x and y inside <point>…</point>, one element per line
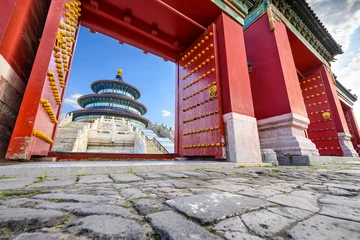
<point>241,131</point>
<point>337,113</point>
<point>278,102</point>
<point>349,112</point>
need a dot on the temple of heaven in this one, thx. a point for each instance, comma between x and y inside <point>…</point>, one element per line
<point>112,98</point>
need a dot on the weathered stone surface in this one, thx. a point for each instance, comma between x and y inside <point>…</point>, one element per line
<point>60,182</point>
<point>344,186</point>
<point>80,198</point>
<point>265,223</point>
<point>350,172</point>
<point>294,201</point>
<point>14,183</point>
<point>211,207</point>
<point>86,209</point>
<point>338,211</point>
<point>21,219</point>
<point>21,202</point>
<point>322,227</point>
<point>283,187</point>
<point>132,193</point>
<point>310,196</point>
<point>164,184</point>
<point>289,212</point>
<point>109,227</point>
<point>47,236</point>
<point>230,187</point>
<point>174,226</point>
<point>94,179</point>
<point>341,192</point>
<point>125,177</point>
<point>239,235</point>
<point>262,192</point>
<point>194,174</point>
<point>147,206</point>
<point>174,175</point>
<point>121,186</point>
<point>343,201</point>
<point>233,224</point>
<point>150,176</point>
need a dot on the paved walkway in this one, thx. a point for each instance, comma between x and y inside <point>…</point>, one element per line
<point>243,203</point>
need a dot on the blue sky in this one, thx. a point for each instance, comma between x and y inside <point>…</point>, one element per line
<point>98,57</point>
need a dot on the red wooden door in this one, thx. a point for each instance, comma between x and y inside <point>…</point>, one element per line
<point>201,131</point>
<point>35,127</point>
<point>321,131</point>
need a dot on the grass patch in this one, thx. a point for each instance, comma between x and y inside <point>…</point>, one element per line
<point>4,194</point>
<point>81,175</point>
<point>41,178</point>
<point>4,177</point>
<point>189,214</point>
<point>131,171</point>
<point>59,200</point>
<point>273,171</point>
<point>241,166</point>
<point>265,166</point>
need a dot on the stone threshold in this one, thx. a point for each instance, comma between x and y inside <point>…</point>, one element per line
<point>56,169</point>
<point>315,160</point>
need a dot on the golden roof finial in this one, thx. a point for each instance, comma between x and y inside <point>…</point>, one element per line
<point>120,71</point>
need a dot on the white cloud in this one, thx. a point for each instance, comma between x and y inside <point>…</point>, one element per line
<point>340,17</point>
<point>349,76</point>
<point>166,113</point>
<point>72,100</point>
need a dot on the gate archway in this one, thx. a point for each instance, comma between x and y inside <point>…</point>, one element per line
<point>184,32</point>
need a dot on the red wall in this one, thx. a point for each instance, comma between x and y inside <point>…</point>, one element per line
<point>235,82</point>
<point>20,31</point>
<point>274,82</point>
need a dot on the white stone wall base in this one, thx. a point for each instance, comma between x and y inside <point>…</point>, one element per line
<point>346,145</point>
<point>242,139</point>
<point>285,134</point>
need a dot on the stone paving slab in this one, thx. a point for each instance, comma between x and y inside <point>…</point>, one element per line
<point>173,226</point>
<point>278,203</point>
<point>94,179</point>
<point>125,178</point>
<point>24,218</point>
<point>14,183</point>
<point>207,208</point>
<point>322,227</point>
<point>109,227</point>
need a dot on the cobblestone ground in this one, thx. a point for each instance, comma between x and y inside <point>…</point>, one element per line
<point>244,203</point>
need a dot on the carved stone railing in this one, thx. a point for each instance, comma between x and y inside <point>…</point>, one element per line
<point>160,146</point>
<point>162,131</point>
<point>80,144</point>
<point>66,120</point>
<point>139,143</point>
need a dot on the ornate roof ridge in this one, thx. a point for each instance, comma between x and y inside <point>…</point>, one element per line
<point>335,46</point>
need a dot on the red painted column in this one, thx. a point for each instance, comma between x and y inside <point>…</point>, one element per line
<point>240,125</point>
<point>355,128</point>
<point>23,143</point>
<point>278,102</point>
<point>337,114</point>
<point>6,11</point>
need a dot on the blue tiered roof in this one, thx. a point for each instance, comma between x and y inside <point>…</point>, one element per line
<point>112,98</point>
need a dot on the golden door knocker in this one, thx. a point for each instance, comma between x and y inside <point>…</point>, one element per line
<point>212,91</point>
<point>326,115</point>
